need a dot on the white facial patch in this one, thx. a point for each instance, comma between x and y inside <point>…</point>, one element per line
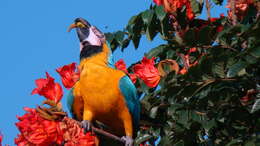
<point>93,39</point>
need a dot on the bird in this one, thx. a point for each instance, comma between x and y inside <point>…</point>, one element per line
<point>102,93</point>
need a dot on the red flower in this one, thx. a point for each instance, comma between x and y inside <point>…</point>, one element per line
<point>68,75</point>
<point>37,131</point>
<point>241,7</point>
<point>147,72</point>
<point>120,64</point>
<point>189,11</point>
<point>158,2</point>
<point>183,71</point>
<point>191,50</point>
<point>48,88</point>
<point>174,5</point>
<point>1,139</point>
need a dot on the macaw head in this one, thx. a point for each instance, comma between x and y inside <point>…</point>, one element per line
<point>89,36</point>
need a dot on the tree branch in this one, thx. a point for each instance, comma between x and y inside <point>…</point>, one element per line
<point>107,134</point>
<point>208,9</point>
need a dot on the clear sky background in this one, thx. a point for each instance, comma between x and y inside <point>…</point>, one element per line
<point>34,39</point>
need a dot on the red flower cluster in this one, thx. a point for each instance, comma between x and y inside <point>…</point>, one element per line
<point>48,88</point>
<point>74,135</point>
<point>241,7</point>
<point>174,5</point>
<point>68,75</point>
<point>37,131</point>
<point>120,64</point>
<point>147,72</point>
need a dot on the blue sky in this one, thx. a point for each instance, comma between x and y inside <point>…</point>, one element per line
<point>33,40</point>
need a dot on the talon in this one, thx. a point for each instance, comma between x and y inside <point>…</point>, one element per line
<point>128,140</point>
<point>86,125</point>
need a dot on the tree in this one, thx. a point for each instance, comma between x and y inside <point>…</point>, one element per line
<point>212,95</point>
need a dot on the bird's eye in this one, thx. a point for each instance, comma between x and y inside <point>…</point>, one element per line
<point>81,25</point>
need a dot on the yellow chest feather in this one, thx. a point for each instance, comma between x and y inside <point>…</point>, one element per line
<point>99,87</point>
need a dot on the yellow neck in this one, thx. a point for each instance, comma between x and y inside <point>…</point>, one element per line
<point>99,59</point>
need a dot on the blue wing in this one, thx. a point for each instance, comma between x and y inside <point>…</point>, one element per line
<point>70,100</point>
<point>130,94</point>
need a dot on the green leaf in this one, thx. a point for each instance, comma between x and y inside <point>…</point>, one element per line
<point>196,117</point>
<point>114,44</point>
<point>160,13</point>
<point>132,20</point>
<point>250,143</point>
<point>256,106</point>
<point>179,143</point>
<point>153,112</point>
<point>151,32</point>
<point>155,52</point>
<point>147,16</point>
<point>255,52</point>
<point>218,2</point>
<point>205,37</point>
<point>251,13</point>
<point>142,139</point>
<point>109,37</point>
<point>209,124</point>
<point>125,44</point>
<point>236,68</point>
<point>219,69</point>
<point>119,36</point>
<point>165,141</point>
<point>233,142</point>
<point>184,118</point>
<point>196,6</point>
<point>136,40</point>
<point>190,37</point>
<point>251,60</point>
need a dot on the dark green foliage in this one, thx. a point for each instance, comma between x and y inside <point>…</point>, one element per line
<point>210,104</point>
<point>218,2</point>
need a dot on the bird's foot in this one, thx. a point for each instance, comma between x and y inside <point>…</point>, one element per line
<point>128,140</point>
<point>86,125</point>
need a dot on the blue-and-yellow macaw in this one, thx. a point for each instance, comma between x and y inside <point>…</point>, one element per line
<point>102,93</point>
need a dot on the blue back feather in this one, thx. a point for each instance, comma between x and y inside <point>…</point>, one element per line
<point>129,91</point>
<point>70,100</point>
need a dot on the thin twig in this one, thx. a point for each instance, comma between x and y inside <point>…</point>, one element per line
<point>221,46</point>
<point>208,9</point>
<point>210,81</point>
<point>107,134</point>
<point>233,10</point>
